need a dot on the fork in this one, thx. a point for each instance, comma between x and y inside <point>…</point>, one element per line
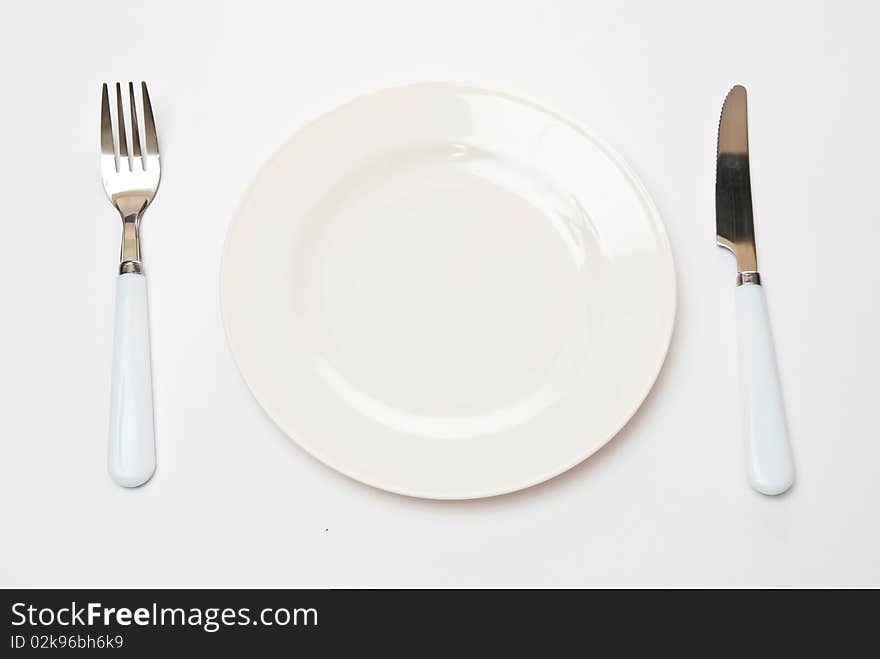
<point>131,181</point>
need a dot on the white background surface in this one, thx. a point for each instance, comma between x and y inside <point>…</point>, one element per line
<point>234,502</point>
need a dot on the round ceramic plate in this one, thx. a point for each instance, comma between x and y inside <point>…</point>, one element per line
<point>448,292</point>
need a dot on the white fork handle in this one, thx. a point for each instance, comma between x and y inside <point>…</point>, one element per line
<point>131,457</point>
<point>770,465</point>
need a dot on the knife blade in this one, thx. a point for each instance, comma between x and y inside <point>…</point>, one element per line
<point>768,453</point>
<point>734,223</point>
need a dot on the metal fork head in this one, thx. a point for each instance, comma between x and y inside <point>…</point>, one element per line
<point>130,178</point>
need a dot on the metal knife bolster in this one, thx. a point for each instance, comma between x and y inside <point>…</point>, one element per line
<point>753,278</point>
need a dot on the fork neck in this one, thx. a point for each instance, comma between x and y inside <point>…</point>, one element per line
<point>130,253</point>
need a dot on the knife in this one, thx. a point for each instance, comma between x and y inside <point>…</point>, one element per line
<point>768,454</point>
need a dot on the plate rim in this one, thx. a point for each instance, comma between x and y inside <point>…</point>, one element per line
<point>581,127</point>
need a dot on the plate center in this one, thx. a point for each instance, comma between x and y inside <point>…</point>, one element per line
<point>445,283</point>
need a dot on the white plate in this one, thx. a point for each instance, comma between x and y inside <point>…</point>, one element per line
<point>448,292</point>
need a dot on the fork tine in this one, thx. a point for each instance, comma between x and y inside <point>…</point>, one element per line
<point>123,146</point>
<point>151,141</point>
<point>135,134</point>
<point>106,124</point>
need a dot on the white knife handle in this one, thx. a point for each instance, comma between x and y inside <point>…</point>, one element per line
<point>131,457</point>
<point>770,466</point>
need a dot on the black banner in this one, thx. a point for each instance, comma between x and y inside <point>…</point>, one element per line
<point>412,622</point>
